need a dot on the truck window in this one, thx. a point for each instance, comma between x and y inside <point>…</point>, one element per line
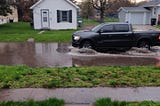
<point>107,28</point>
<point>122,28</point>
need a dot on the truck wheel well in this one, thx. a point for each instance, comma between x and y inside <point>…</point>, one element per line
<point>144,43</point>
<point>81,44</point>
<point>145,39</point>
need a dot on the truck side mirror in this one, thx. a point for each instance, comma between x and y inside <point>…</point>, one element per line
<point>100,31</point>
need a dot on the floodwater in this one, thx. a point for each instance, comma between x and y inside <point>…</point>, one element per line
<point>63,55</point>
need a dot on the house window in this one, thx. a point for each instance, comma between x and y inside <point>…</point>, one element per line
<point>44,16</point>
<point>64,16</point>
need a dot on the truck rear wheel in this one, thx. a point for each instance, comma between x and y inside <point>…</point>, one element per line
<point>144,44</point>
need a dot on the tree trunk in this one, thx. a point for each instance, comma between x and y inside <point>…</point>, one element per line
<point>102,16</point>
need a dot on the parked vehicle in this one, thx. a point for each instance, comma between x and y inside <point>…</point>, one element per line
<point>115,35</point>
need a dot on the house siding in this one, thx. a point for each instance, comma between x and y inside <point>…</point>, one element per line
<point>122,16</point>
<point>148,18</point>
<point>134,17</point>
<point>158,15</point>
<point>53,6</point>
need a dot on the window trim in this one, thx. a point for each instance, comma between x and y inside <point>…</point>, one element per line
<point>102,28</point>
<point>60,16</point>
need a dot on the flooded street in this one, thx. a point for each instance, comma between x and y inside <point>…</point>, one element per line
<point>64,55</point>
<point>35,54</point>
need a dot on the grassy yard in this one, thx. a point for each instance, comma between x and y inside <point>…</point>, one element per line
<point>108,102</point>
<point>16,32</point>
<point>113,76</point>
<point>21,31</point>
<point>50,102</point>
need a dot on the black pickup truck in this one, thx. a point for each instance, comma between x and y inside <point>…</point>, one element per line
<point>115,35</point>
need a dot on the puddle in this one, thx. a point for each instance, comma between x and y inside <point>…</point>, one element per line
<point>63,55</point>
<point>35,54</point>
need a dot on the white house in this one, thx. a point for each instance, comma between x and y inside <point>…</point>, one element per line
<point>149,13</point>
<point>54,14</point>
<point>10,17</point>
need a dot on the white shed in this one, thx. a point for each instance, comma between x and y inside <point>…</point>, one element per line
<point>54,14</point>
<point>134,15</point>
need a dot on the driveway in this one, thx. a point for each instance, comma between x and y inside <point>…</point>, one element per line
<point>144,27</point>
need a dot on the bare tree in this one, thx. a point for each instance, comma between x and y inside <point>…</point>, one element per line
<point>5,8</point>
<point>101,6</point>
<point>87,10</point>
<point>24,12</point>
<point>114,5</point>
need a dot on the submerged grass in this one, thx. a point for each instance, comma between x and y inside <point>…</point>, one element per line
<point>109,102</point>
<point>50,102</point>
<point>114,76</point>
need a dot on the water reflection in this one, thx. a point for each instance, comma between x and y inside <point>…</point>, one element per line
<point>34,54</point>
<point>56,55</point>
<point>52,55</point>
<point>17,54</point>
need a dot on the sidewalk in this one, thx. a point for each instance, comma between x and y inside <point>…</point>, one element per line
<point>85,96</point>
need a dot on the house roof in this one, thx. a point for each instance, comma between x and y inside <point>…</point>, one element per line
<point>40,1</point>
<point>133,9</point>
<point>152,3</point>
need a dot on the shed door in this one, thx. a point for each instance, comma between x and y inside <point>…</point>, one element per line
<point>137,18</point>
<point>45,19</point>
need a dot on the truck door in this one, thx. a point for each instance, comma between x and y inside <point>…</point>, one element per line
<point>115,35</point>
<point>122,37</point>
<point>105,33</point>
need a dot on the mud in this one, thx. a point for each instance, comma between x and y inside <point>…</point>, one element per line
<point>64,55</point>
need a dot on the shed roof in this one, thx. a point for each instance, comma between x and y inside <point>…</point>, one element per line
<point>134,9</point>
<point>152,3</point>
<point>40,1</point>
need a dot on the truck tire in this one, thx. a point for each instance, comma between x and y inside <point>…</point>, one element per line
<point>87,44</point>
<point>144,44</point>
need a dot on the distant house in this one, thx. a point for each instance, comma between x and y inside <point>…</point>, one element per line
<point>55,14</point>
<point>149,13</point>
<point>10,18</point>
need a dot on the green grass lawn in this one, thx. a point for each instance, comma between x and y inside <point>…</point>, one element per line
<point>21,31</point>
<point>16,32</point>
<point>55,36</point>
<point>110,76</point>
<point>50,102</point>
<point>109,102</point>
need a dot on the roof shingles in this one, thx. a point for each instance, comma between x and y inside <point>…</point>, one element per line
<point>135,9</point>
<point>151,3</point>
